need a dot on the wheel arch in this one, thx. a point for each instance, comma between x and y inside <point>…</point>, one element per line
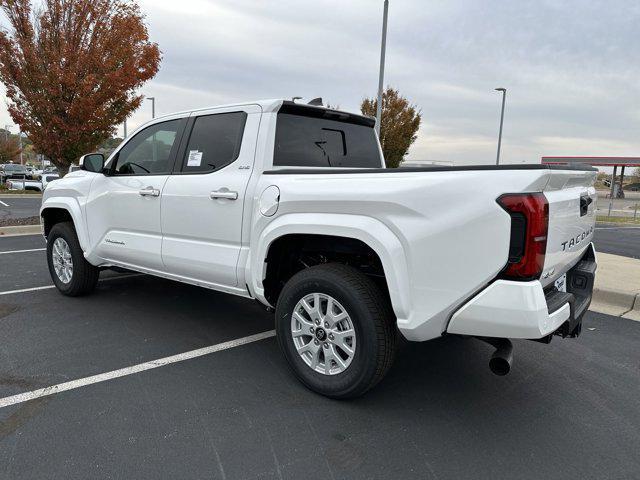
<point>371,233</point>
<point>58,210</point>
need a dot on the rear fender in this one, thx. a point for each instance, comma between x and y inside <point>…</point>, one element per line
<point>366,229</point>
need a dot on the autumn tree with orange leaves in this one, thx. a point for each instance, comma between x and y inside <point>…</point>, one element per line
<point>399,126</point>
<point>71,69</point>
<point>9,149</point>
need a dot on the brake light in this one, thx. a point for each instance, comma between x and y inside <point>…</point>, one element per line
<point>529,229</point>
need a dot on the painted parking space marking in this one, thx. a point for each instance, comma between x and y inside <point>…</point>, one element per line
<point>2,203</point>
<point>23,251</point>
<point>25,290</point>
<point>48,287</point>
<point>141,367</point>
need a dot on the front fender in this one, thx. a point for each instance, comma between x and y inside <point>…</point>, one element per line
<point>366,229</point>
<point>71,205</point>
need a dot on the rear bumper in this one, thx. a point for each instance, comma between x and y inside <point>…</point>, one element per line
<point>510,309</point>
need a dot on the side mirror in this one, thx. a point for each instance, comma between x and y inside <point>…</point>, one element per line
<point>94,162</point>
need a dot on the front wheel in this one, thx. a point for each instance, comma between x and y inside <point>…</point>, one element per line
<point>71,273</point>
<point>336,330</point>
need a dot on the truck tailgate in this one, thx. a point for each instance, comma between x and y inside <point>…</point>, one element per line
<point>572,216</point>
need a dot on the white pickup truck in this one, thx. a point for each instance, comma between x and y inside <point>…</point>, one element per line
<point>32,185</point>
<point>291,205</point>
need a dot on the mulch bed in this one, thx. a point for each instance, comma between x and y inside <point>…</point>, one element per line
<point>14,222</point>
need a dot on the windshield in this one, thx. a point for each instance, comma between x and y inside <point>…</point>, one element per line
<point>14,168</point>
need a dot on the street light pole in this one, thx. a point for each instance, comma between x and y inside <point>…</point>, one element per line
<point>125,128</point>
<point>504,98</point>
<point>153,106</point>
<point>20,140</point>
<point>383,52</point>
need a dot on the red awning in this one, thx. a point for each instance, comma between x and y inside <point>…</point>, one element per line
<point>594,161</point>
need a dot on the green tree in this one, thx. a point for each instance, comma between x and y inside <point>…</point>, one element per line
<point>399,126</point>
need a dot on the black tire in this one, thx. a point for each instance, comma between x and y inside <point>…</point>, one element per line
<point>85,276</point>
<point>373,321</point>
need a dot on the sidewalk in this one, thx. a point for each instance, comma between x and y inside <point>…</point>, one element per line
<point>617,289</point>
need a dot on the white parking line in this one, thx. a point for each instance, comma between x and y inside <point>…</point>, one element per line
<point>48,287</point>
<point>24,290</point>
<point>141,367</point>
<point>1,202</point>
<point>24,251</point>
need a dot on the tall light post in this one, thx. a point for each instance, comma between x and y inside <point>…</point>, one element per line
<point>20,140</point>
<point>125,128</point>
<point>153,106</point>
<point>504,98</point>
<point>383,52</point>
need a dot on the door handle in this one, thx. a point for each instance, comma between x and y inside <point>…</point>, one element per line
<point>223,193</point>
<point>149,192</point>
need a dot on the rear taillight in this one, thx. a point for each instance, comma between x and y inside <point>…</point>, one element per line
<point>529,228</point>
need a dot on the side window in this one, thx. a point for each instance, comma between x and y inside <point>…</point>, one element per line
<point>149,152</point>
<point>214,143</point>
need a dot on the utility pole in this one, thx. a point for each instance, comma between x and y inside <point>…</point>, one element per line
<point>20,140</point>
<point>125,128</point>
<point>153,106</point>
<point>504,98</point>
<point>383,52</point>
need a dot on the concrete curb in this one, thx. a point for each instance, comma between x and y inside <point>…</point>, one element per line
<point>615,302</point>
<point>20,230</point>
<point>617,288</point>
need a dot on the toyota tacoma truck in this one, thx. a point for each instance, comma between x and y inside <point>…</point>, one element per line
<point>292,205</point>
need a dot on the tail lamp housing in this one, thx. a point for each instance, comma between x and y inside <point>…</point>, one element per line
<point>529,230</point>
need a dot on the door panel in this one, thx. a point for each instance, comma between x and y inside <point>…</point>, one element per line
<point>202,212</point>
<point>124,226</point>
<point>123,208</point>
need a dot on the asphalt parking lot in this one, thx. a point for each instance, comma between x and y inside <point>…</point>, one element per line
<point>16,206</point>
<point>567,410</point>
<point>617,240</point>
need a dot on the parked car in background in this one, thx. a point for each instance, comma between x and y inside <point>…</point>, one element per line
<point>10,171</point>
<point>45,171</point>
<point>30,184</point>
<point>27,185</point>
<point>47,179</point>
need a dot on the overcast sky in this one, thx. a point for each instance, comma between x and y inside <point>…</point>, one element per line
<point>572,67</point>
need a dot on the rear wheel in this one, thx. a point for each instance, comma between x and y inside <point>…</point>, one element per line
<point>336,330</point>
<point>71,273</point>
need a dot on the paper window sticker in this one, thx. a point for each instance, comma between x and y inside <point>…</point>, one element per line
<point>195,158</point>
